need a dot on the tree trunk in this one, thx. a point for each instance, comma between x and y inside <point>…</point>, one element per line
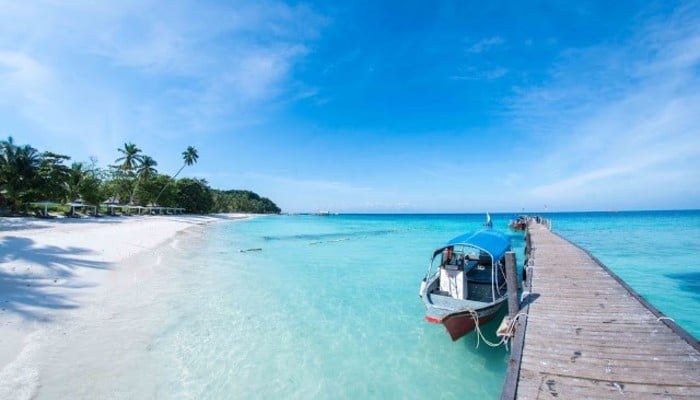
<point>166,185</point>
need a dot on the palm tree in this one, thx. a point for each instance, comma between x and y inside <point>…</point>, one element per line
<point>77,171</point>
<point>19,167</point>
<point>53,176</point>
<point>147,167</point>
<point>131,159</point>
<point>145,170</point>
<point>189,157</point>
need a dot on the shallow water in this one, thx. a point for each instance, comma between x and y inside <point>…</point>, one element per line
<point>329,308</point>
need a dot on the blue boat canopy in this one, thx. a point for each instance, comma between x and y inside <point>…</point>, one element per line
<point>493,242</point>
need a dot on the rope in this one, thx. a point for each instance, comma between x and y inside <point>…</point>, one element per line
<point>480,335</point>
<point>666,318</point>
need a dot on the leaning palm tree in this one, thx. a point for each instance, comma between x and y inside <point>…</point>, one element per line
<point>145,170</point>
<point>189,157</point>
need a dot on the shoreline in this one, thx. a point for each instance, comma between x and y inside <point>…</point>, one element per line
<point>52,269</point>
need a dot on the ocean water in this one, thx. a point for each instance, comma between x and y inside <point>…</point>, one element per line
<point>328,308</point>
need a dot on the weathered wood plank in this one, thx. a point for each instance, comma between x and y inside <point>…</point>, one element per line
<point>620,355</point>
<point>588,335</point>
<point>585,360</point>
<point>536,383</point>
<point>544,348</point>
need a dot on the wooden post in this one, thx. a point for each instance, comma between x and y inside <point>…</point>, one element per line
<point>512,283</point>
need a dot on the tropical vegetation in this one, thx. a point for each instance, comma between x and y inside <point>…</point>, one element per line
<point>30,176</point>
<point>243,201</point>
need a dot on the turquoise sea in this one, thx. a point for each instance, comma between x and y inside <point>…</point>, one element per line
<point>329,307</point>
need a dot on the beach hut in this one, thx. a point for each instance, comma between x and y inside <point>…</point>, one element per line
<point>110,206</point>
<point>74,206</point>
<point>137,208</point>
<point>46,205</point>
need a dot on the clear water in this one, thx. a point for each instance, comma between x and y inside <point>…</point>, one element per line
<point>329,308</point>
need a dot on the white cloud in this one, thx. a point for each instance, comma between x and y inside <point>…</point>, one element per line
<point>23,75</point>
<point>304,194</point>
<point>616,124</point>
<point>485,44</point>
<point>146,70</point>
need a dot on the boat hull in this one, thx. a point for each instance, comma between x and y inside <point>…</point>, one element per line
<point>460,323</point>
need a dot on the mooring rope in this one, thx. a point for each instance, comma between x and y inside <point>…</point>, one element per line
<point>480,335</point>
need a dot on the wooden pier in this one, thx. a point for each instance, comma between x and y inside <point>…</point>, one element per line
<point>584,333</point>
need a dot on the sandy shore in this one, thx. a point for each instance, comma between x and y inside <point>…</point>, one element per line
<point>50,269</point>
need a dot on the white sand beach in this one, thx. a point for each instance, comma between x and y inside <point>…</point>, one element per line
<point>54,273</point>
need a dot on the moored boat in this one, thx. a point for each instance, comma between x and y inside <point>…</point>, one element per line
<point>465,285</point>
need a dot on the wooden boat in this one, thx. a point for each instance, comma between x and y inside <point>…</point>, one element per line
<point>465,284</point>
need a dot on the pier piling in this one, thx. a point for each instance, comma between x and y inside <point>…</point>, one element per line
<point>512,285</point>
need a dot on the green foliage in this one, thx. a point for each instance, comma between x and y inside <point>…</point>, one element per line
<point>189,156</point>
<point>194,195</point>
<point>19,177</point>
<point>118,186</point>
<point>150,186</point>
<point>166,192</point>
<point>75,176</point>
<point>91,189</point>
<point>243,201</point>
<point>28,176</point>
<point>53,177</point>
<point>131,157</point>
<point>146,171</point>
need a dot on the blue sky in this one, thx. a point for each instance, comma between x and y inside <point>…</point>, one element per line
<point>450,106</point>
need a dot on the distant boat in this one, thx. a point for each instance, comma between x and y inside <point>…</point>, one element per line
<point>323,213</point>
<point>489,223</point>
<point>468,286</point>
<point>519,223</point>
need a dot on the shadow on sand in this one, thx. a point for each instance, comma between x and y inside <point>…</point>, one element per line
<point>29,293</point>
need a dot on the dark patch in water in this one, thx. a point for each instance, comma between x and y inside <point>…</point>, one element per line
<point>324,237</point>
<point>689,281</point>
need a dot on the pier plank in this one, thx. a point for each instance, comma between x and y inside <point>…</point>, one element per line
<point>537,385</point>
<point>588,335</point>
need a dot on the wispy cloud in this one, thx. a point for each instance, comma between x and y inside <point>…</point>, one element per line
<point>484,44</point>
<point>304,194</point>
<point>617,122</point>
<point>23,75</point>
<point>474,74</point>
<point>316,185</point>
<point>76,69</point>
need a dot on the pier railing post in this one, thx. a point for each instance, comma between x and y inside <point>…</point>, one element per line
<point>512,284</point>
